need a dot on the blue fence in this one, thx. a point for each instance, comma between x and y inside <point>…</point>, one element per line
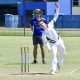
<point>10,1</point>
<point>63,21</point>
<point>66,21</point>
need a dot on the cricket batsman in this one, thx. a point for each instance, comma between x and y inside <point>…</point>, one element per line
<point>53,42</point>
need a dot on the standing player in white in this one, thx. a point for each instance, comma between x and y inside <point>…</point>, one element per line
<point>53,42</point>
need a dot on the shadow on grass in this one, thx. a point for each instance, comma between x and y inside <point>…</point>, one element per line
<point>36,73</point>
<point>12,64</point>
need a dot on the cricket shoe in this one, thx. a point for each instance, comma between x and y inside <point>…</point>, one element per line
<point>52,72</point>
<point>58,67</point>
<point>34,62</point>
<point>44,62</point>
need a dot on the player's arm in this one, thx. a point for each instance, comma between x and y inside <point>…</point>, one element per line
<point>32,27</point>
<point>56,13</point>
<point>46,42</point>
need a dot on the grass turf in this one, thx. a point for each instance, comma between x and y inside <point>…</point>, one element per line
<point>66,32</point>
<point>10,60</point>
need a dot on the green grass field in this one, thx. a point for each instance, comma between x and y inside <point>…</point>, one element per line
<point>10,60</point>
<point>66,32</point>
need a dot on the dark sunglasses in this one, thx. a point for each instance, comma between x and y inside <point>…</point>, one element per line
<point>37,13</point>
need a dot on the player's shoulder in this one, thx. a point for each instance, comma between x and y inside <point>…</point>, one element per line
<point>43,18</point>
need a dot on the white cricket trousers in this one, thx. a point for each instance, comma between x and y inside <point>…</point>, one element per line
<point>59,45</point>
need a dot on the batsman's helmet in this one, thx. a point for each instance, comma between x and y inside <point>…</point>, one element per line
<point>37,11</point>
